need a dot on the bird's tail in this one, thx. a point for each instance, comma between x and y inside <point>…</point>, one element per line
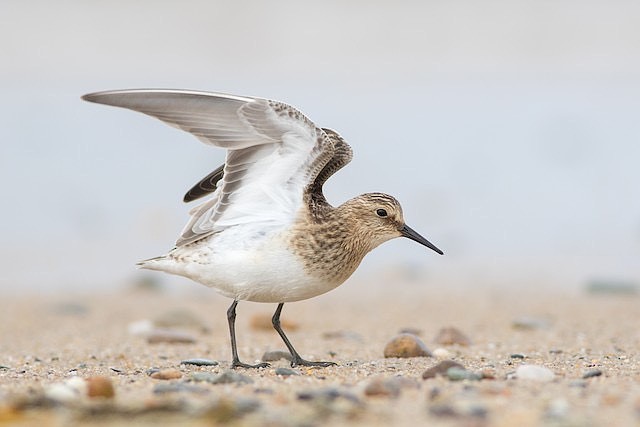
<point>155,263</point>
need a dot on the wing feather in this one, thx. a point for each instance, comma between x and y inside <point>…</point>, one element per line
<point>274,154</point>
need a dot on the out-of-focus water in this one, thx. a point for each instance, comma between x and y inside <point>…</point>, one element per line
<point>509,132</point>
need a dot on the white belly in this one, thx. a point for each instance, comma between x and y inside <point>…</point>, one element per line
<point>263,270</point>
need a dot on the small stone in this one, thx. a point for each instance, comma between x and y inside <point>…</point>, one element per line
<point>460,374</point>
<point>534,373</point>
<point>440,369</point>
<point>406,345</point>
<point>517,356</point>
<point>166,374</point>
<point>169,336</point>
<point>529,323</point>
<point>226,377</point>
<point>71,390</point>
<point>285,372</point>
<point>202,377</point>
<point>178,387</point>
<point>180,318</point>
<point>578,384</point>
<point>451,336</point>
<point>612,287</point>
<point>262,322</point>
<point>328,394</point>
<point>100,387</point>
<point>343,335</point>
<point>70,309</point>
<point>412,331</point>
<point>275,355</point>
<point>382,387</point>
<point>592,373</point>
<point>140,328</point>
<point>441,353</point>
<point>199,362</point>
<point>226,409</point>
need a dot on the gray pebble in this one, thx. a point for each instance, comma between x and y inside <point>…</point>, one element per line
<point>199,362</point>
<point>529,323</point>
<point>440,369</point>
<point>458,374</point>
<point>592,373</point>
<point>226,377</point>
<point>613,287</point>
<point>517,356</point>
<point>285,372</point>
<point>180,318</point>
<point>275,355</point>
<point>451,336</point>
<point>169,336</point>
<point>178,387</point>
<point>328,394</point>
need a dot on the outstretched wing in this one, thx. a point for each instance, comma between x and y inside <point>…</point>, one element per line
<point>274,153</point>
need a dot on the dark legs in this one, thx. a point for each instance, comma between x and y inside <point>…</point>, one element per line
<point>236,363</point>
<point>296,360</point>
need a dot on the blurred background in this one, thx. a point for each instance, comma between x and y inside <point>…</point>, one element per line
<point>509,130</point>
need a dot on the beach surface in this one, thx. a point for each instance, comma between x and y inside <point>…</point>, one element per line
<point>527,358</point>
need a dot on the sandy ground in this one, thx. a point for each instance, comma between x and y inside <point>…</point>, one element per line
<point>46,342</point>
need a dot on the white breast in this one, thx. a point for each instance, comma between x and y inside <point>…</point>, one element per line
<point>245,265</point>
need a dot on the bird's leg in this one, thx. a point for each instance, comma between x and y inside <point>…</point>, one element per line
<point>236,363</point>
<point>296,360</point>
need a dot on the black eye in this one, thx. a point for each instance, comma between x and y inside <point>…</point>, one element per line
<point>381,212</point>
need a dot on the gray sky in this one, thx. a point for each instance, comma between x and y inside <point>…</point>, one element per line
<point>508,130</point>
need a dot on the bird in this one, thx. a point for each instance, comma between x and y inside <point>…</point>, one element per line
<point>265,231</point>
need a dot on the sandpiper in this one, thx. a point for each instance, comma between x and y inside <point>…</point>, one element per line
<point>267,233</point>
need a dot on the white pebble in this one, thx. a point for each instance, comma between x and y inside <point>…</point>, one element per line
<point>140,328</point>
<point>68,391</point>
<point>442,353</point>
<point>534,373</point>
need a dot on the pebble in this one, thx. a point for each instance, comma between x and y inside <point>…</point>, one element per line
<point>529,323</point>
<point>406,345</point>
<point>165,374</point>
<point>262,322</point>
<point>285,372</point>
<point>71,390</point>
<point>612,287</point>
<point>275,355</point>
<point>460,374</point>
<point>440,369</point>
<point>178,387</point>
<point>140,328</point>
<point>517,356</point>
<point>346,335</point>
<point>383,387</point>
<point>169,336</point>
<point>100,387</point>
<point>226,409</point>
<point>328,394</point>
<point>199,362</point>
<point>592,373</point>
<point>451,336</point>
<point>226,377</point>
<point>534,373</point>
<point>70,309</point>
<point>441,353</point>
<point>180,318</point>
<point>410,330</point>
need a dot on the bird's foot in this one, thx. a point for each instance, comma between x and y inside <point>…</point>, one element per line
<point>238,364</point>
<point>299,361</point>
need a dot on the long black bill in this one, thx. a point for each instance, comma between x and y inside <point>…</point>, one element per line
<point>411,234</point>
